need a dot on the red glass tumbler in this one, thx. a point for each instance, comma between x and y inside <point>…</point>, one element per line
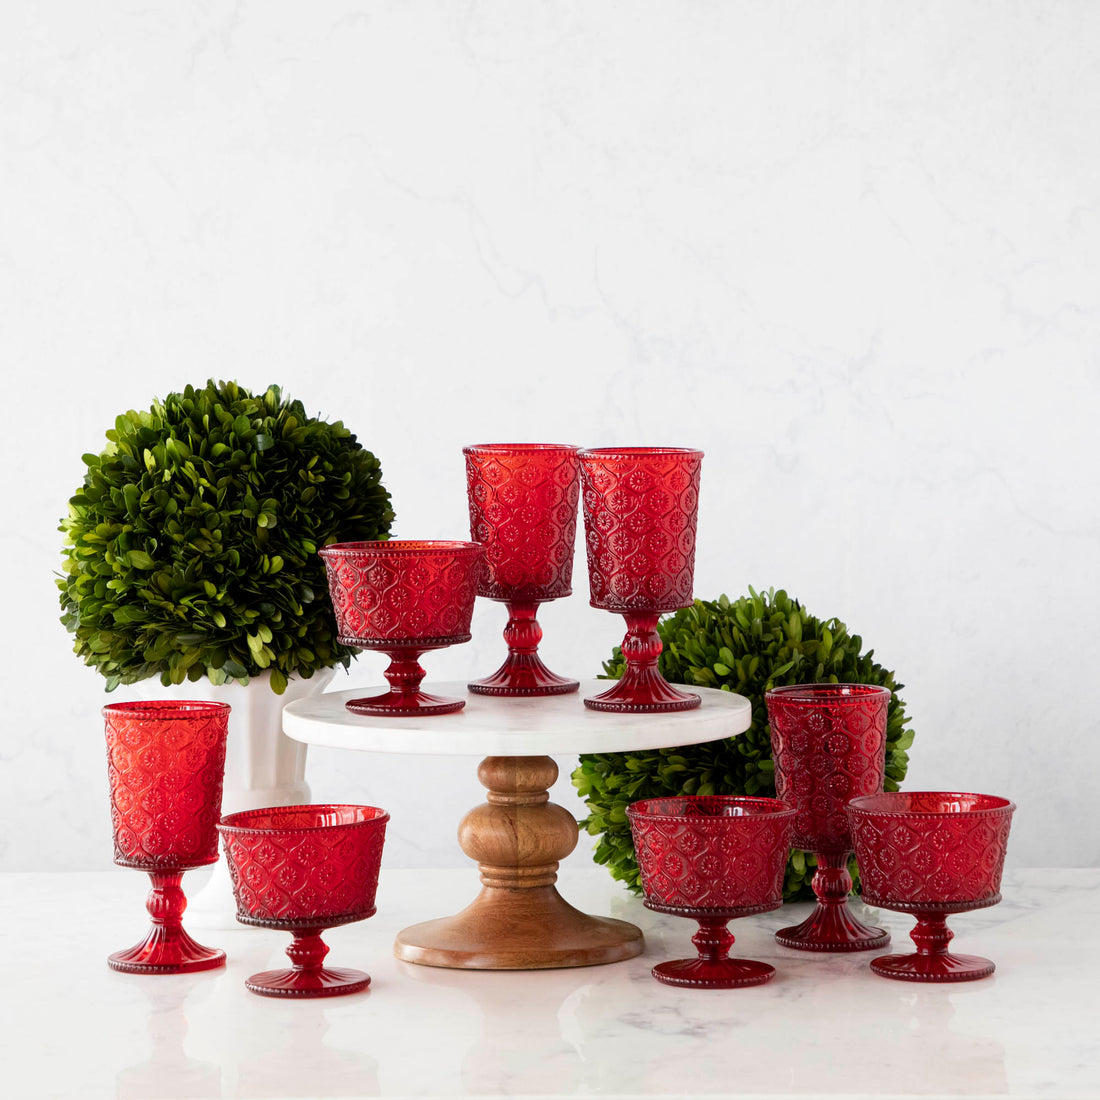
<point>931,853</point>
<point>829,746</point>
<point>640,510</point>
<point>303,869</point>
<point>165,765</point>
<point>523,509</point>
<point>712,858</point>
<point>403,597</point>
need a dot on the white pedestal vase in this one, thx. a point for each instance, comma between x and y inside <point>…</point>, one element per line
<point>263,767</point>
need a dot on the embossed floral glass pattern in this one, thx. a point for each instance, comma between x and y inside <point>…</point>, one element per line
<point>165,766</point>
<point>404,598</point>
<point>303,869</point>
<point>829,746</point>
<point>931,853</point>
<point>712,858</point>
<point>523,509</point>
<point>641,505</point>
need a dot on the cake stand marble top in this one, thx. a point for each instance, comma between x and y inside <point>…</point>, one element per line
<point>495,726</point>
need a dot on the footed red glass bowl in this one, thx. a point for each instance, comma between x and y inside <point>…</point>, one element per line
<point>165,766</point>
<point>828,745</point>
<point>404,598</point>
<point>303,869</point>
<point>931,853</point>
<point>523,510</point>
<point>641,505</point>
<point>712,858</point>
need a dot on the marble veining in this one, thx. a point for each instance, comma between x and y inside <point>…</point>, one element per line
<point>825,1027</point>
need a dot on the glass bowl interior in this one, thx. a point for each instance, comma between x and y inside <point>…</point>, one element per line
<point>520,448</point>
<point>697,806</point>
<point>166,710</point>
<point>826,693</point>
<point>636,452</point>
<point>922,803</point>
<point>282,818</point>
<point>396,548</point>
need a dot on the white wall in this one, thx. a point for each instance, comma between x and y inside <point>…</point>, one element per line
<point>851,250</point>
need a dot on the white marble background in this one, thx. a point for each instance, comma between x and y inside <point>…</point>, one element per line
<point>850,249</point>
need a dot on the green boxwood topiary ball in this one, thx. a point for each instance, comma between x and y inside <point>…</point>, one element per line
<point>191,549</point>
<point>746,646</point>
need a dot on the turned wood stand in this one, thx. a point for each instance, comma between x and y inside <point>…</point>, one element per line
<point>517,836</point>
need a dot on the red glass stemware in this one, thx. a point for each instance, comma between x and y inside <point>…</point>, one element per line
<point>641,505</point>
<point>303,869</point>
<point>712,858</point>
<point>829,746</point>
<point>404,598</point>
<point>165,765</point>
<point>931,853</point>
<point>523,509</point>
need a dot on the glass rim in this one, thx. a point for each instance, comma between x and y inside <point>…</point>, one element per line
<point>768,806</point>
<point>235,823</point>
<point>636,452</point>
<point>813,693</point>
<point>865,804</point>
<point>520,448</point>
<point>401,547</point>
<point>165,710</point>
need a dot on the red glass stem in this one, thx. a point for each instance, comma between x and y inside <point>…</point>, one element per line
<point>166,901</point>
<point>405,674</point>
<point>307,950</point>
<point>522,632</point>
<point>832,882</point>
<point>642,688</point>
<point>642,644</point>
<point>931,934</point>
<point>714,939</point>
<point>523,671</point>
<point>167,948</point>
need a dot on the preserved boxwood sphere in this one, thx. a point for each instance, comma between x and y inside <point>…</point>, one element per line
<point>191,548</point>
<point>746,646</point>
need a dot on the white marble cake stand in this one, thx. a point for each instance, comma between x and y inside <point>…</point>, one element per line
<point>517,836</point>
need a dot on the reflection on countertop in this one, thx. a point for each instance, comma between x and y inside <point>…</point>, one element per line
<point>824,1027</point>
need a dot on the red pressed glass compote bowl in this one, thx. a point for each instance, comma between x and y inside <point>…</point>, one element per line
<point>931,853</point>
<point>165,764</point>
<point>523,509</point>
<point>403,597</point>
<point>712,858</point>
<point>303,869</point>
<point>829,746</point>
<point>640,510</point>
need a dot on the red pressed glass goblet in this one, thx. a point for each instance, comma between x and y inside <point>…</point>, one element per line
<point>303,869</point>
<point>403,597</point>
<point>712,858</point>
<point>931,853</point>
<point>165,764</point>
<point>640,510</point>
<point>523,509</point>
<point>829,746</point>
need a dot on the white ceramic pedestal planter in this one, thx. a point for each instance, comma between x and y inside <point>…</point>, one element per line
<point>263,767</point>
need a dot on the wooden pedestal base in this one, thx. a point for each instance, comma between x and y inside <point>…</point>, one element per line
<point>519,921</point>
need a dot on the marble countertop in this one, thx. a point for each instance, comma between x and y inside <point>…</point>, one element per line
<point>825,1027</point>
